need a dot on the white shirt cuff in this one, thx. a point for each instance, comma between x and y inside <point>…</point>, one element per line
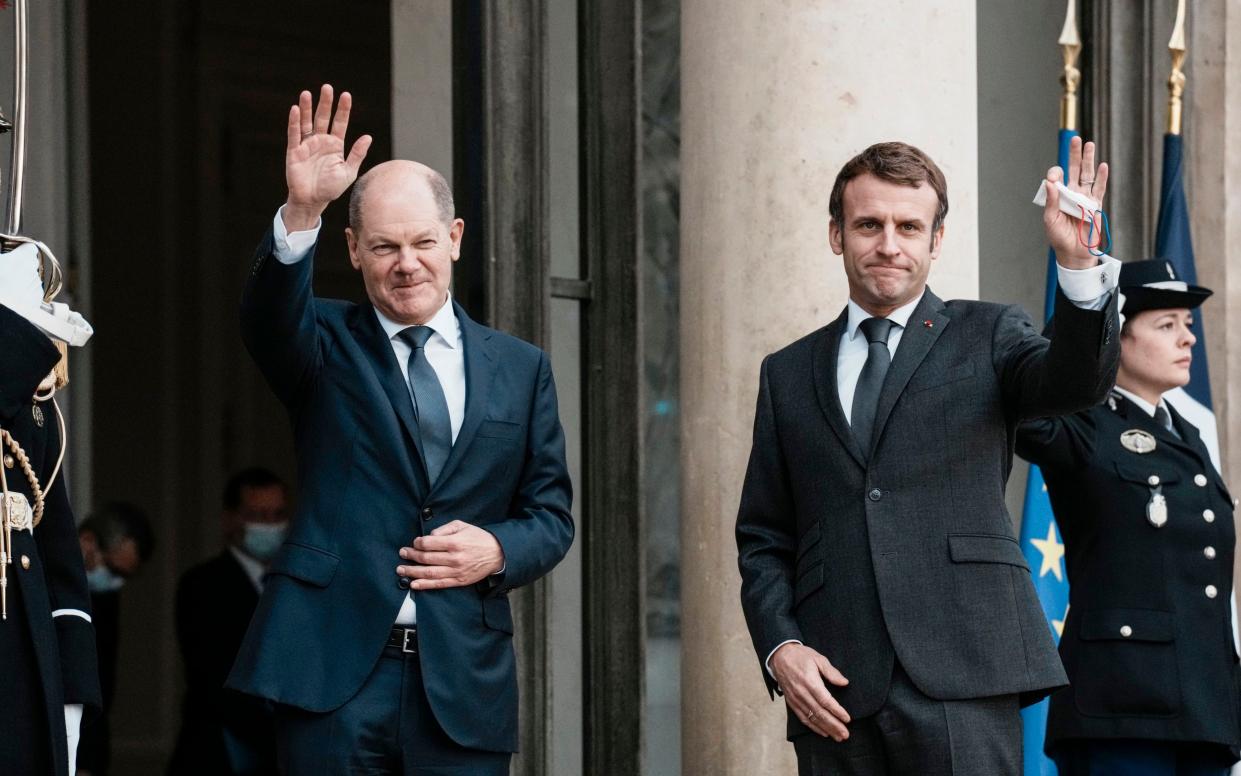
<point>292,247</point>
<point>767,662</point>
<point>1090,288</point>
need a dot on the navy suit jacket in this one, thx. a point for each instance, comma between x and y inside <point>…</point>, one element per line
<point>332,592</point>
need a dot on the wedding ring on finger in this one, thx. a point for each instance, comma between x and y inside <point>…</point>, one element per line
<point>307,135</point>
<point>813,714</point>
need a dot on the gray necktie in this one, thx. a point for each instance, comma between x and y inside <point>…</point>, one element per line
<point>430,407</point>
<point>1164,419</point>
<point>870,382</point>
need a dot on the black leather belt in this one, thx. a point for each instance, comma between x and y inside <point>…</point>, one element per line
<point>404,639</point>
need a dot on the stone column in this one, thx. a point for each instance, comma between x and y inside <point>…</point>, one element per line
<point>1212,121</point>
<point>422,83</point>
<point>775,98</point>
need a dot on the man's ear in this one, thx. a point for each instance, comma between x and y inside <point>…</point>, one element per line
<point>835,237</point>
<point>937,242</point>
<point>455,231</point>
<point>352,240</point>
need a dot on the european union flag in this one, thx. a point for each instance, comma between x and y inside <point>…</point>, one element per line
<point>1044,550</point>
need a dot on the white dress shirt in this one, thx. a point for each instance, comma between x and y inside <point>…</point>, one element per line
<point>254,569</point>
<point>1088,288</point>
<point>1143,404</point>
<point>443,350</point>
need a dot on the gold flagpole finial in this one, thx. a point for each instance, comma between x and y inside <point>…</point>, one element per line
<point>1176,81</point>
<point>1070,47</point>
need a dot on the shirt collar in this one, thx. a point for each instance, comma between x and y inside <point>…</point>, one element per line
<point>1143,404</point>
<point>443,323</point>
<point>253,568</point>
<point>899,316</point>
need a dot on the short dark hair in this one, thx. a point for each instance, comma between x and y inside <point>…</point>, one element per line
<point>116,521</point>
<point>894,162</point>
<point>440,191</point>
<point>251,477</point>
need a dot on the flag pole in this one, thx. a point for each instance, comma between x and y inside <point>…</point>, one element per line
<point>1070,48</point>
<point>1176,81</point>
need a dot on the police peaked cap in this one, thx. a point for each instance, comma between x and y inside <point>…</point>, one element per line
<point>1153,285</point>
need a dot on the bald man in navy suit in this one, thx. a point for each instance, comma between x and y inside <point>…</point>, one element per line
<point>432,480</point>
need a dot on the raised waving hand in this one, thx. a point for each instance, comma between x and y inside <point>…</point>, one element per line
<point>316,167</point>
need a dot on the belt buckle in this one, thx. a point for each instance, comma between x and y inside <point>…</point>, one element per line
<point>405,642</point>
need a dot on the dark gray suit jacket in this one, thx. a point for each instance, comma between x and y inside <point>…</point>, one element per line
<point>906,551</point>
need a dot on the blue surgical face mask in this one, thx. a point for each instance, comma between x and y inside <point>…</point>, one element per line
<point>261,541</point>
<point>102,579</point>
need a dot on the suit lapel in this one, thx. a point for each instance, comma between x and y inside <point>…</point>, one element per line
<point>916,341</point>
<point>374,343</point>
<point>823,364</point>
<point>480,370</point>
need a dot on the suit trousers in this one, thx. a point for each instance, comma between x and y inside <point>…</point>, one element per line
<point>1127,757</point>
<point>386,729</point>
<point>914,734</point>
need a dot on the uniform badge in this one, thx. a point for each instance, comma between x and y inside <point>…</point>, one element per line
<point>1157,510</point>
<point>17,512</point>
<point>1137,441</point>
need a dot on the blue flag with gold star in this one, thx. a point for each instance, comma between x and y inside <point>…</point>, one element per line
<point>1040,541</point>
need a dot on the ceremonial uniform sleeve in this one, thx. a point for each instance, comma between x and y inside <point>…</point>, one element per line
<point>1072,370</point>
<point>26,357</point>
<point>539,530</point>
<point>57,538</point>
<point>278,323</point>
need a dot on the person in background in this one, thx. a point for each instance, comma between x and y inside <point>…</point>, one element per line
<point>223,732</point>
<point>116,540</point>
<point>1148,541</point>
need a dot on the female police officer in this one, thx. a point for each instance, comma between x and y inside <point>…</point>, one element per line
<point>1148,532</point>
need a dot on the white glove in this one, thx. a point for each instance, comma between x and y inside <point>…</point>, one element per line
<point>20,284</point>
<point>21,290</point>
<point>73,728</point>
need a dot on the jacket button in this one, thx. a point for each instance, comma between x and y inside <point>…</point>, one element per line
<point>402,582</point>
<point>1200,480</point>
<point>428,513</point>
<point>1208,515</point>
<point>1153,480</point>
<point>1209,552</point>
<point>1126,631</point>
<point>8,461</point>
<point>875,494</point>
<point>25,562</point>
<point>1211,591</point>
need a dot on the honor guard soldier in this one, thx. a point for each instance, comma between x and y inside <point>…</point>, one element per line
<point>48,668</point>
<point>1148,534</point>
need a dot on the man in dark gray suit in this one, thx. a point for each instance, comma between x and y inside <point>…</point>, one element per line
<point>886,596</point>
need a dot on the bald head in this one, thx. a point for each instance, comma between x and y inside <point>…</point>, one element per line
<point>400,173</point>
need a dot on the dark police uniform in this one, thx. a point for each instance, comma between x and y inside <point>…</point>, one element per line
<point>1148,644</point>
<point>1148,531</point>
<point>47,648</point>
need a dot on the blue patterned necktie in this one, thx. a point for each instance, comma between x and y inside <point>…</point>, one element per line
<point>430,407</point>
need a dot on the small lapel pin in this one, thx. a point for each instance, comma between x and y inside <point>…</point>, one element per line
<point>929,324</point>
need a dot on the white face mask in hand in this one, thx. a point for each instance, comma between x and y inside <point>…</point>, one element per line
<point>21,290</point>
